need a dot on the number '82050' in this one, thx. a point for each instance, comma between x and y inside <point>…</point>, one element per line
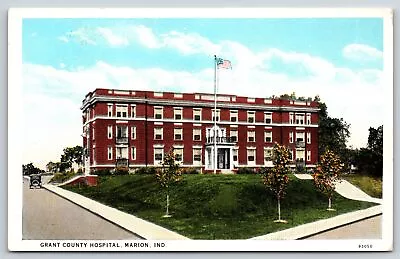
<point>365,246</point>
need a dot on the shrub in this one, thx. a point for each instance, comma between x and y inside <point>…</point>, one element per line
<point>102,172</point>
<point>62,177</point>
<point>121,171</point>
<point>190,170</point>
<point>146,170</point>
<point>246,170</point>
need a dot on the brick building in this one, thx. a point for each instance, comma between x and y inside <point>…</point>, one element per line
<point>135,129</point>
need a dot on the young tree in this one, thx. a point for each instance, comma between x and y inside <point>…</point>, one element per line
<point>327,174</point>
<point>71,155</point>
<point>276,178</point>
<point>168,175</point>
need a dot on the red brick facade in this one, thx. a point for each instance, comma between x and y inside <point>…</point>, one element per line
<point>134,128</point>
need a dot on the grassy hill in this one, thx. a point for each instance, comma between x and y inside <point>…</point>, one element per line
<point>217,206</point>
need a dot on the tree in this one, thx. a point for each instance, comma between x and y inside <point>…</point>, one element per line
<point>71,155</point>
<point>276,178</point>
<point>29,169</point>
<point>327,174</point>
<point>333,133</point>
<point>168,175</point>
<point>370,160</point>
<point>52,167</point>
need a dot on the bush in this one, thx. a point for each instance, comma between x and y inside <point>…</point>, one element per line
<point>246,170</point>
<point>190,170</point>
<point>146,170</point>
<point>62,177</point>
<point>121,171</point>
<point>102,172</point>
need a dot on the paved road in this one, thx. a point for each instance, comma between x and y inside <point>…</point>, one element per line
<point>366,229</point>
<point>48,216</point>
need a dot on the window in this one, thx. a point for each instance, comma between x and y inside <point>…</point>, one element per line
<point>251,156</point>
<point>235,155</point>
<point>300,118</point>
<point>197,156</point>
<point>133,111</point>
<point>197,114</point>
<point>291,154</point>
<point>110,110</point>
<point>291,116</point>
<point>133,132</point>
<point>122,111</point>
<point>178,154</point>
<point>234,135</point>
<point>197,134</point>
<point>177,134</point>
<point>234,116</point>
<point>122,132</point>
<point>92,132</point>
<point>267,154</point>
<point>268,117</point>
<point>251,117</point>
<point>291,137</point>
<point>158,133</point>
<point>158,155</point>
<point>133,153</point>
<point>215,115</point>
<point>299,136</point>
<point>268,136</point>
<point>251,136</point>
<point>109,131</point>
<point>308,118</point>
<point>110,153</point>
<point>158,113</point>
<point>308,137</point>
<point>308,155</point>
<point>178,113</point>
<point>121,153</point>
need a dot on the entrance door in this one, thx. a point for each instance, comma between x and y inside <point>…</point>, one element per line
<point>223,158</point>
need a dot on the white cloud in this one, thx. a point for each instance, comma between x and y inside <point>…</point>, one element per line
<point>145,36</point>
<point>84,36</point>
<point>361,52</point>
<point>111,38</point>
<point>63,38</point>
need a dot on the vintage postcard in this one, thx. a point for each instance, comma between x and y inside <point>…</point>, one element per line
<point>224,129</point>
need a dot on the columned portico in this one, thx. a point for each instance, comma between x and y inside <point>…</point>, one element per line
<point>221,146</point>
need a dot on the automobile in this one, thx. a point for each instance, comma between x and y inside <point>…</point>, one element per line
<point>35,181</point>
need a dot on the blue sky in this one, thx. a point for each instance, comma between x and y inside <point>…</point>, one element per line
<point>340,59</point>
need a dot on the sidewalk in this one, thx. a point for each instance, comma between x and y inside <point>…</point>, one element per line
<point>140,227</point>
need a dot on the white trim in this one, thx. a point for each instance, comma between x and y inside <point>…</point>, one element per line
<point>178,146</point>
<point>251,148</point>
<point>267,127</point>
<point>158,123</point>
<point>178,124</point>
<point>197,146</point>
<point>121,121</point>
<point>234,126</point>
<point>197,125</point>
<point>251,127</point>
<point>158,146</point>
<point>300,128</point>
<point>133,157</point>
<point>133,132</point>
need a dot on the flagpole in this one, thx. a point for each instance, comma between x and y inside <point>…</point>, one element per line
<point>215,114</point>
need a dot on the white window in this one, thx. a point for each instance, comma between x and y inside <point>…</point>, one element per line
<point>110,110</point>
<point>291,154</point>
<point>122,132</point>
<point>121,153</point>
<point>158,112</point>
<point>300,118</point>
<point>196,134</point>
<point>251,136</point>
<point>215,114</point>
<point>158,133</point>
<point>133,153</point>
<point>178,113</point>
<point>308,137</point>
<point>196,156</point>
<point>133,132</point>
<point>158,155</point>
<point>291,117</point>
<point>234,116</point>
<point>109,131</point>
<point>251,156</point>
<point>110,153</point>
<point>268,136</point>
<point>251,117</point>
<point>122,111</point>
<point>308,155</point>
<point>178,134</point>
<point>308,118</point>
<point>92,132</point>
<point>291,137</point>
<point>299,136</point>
<point>178,154</point>
<point>267,155</point>
<point>234,135</point>
<point>197,114</point>
<point>268,117</point>
<point>235,155</point>
<point>133,111</point>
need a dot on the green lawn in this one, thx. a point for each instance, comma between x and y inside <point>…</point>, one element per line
<point>217,206</point>
<point>370,185</point>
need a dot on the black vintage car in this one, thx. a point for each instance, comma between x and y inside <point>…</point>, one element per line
<point>35,181</point>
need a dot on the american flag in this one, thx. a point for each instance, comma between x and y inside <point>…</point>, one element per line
<point>223,63</point>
